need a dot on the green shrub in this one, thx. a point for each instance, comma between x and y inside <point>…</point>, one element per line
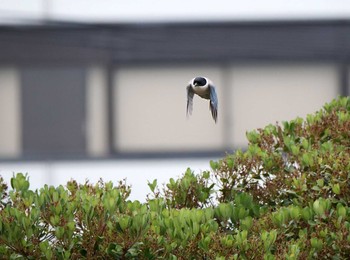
<point>285,197</point>
<point>294,163</point>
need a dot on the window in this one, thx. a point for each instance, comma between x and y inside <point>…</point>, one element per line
<point>53,108</point>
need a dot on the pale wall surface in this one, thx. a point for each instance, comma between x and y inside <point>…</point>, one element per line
<point>171,10</point>
<point>10,113</point>
<point>263,95</point>
<point>151,110</point>
<point>151,103</point>
<point>97,111</point>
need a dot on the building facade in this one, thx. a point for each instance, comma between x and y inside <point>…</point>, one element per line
<point>110,91</point>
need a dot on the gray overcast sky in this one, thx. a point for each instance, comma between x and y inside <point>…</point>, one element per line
<point>173,10</point>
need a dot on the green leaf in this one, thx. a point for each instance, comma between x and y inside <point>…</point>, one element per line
<point>59,232</point>
<point>115,250</point>
<point>268,239</point>
<point>320,183</point>
<point>227,241</point>
<point>229,163</point>
<point>214,165</point>
<point>206,175</point>
<point>295,150</point>
<point>124,222</point>
<point>319,207</point>
<point>316,243</point>
<point>253,137</point>
<point>341,210</point>
<point>247,223</point>
<point>152,185</point>
<point>295,212</point>
<point>336,188</point>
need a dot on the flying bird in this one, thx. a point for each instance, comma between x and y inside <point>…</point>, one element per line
<point>204,88</point>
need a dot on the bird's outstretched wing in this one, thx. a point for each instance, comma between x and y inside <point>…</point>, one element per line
<point>190,95</point>
<point>213,105</point>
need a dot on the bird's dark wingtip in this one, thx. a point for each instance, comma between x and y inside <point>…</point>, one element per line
<point>214,112</point>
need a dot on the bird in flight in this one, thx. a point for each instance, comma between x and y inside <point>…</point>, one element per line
<point>204,88</point>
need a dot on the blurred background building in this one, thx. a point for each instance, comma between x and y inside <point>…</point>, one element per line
<point>90,91</point>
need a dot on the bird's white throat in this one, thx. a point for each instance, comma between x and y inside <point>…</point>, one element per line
<point>200,90</point>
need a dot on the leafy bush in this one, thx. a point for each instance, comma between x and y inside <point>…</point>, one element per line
<point>296,163</point>
<point>285,197</point>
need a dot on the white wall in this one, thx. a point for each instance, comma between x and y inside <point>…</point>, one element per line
<point>136,172</point>
<point>265,94</point>
<point>171,10</point>
<point>151,101</point>
<point>150,105</point>
<point>96,112</point>
<point>10,113</point>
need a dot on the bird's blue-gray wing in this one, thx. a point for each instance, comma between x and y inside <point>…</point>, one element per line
<point>213,103</point>
<point>190,95</point>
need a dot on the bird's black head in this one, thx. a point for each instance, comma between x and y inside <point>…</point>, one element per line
<point>199,81</point>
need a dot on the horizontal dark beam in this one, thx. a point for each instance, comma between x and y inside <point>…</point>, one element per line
<point>121,156</point>
<point>177,42</point>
